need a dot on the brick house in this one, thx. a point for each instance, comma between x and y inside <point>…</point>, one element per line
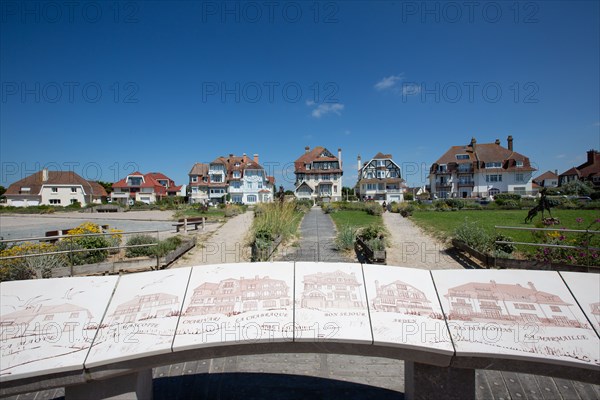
<point>481,170</point>
<point>589,171</point>
<point>318,175</point>
<point>59,188</point>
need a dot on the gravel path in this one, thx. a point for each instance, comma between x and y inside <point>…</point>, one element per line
<point>411,247</point>
<point>226,245</point>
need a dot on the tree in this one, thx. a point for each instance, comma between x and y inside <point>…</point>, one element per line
<point>2,191</point>
<point>107,186</point>
<point>577,188</point>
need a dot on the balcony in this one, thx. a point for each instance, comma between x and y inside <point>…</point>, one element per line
<point>466,183</point>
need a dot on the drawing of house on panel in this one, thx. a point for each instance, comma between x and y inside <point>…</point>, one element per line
<point>401,297</point>
<point>494,302</point>
<point>233,296</point>
<point>331,290</point>
<point>596,311</point>
<point>32,319</point>
<point>154,305</point>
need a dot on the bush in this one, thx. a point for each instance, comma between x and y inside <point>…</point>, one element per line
<point>166,246</point>
<point>231,210</point>
<point>29,267</point>
<point>146,251</point>
<point>504,248</point>
<point>595,195</point>
<point>456,204</point>
<point>507,196</point>
<point>376,244</point>
<point>328,208</point>
<point>345,238</point>
<point>373,208</point>
<point>408,197</point>
<point>441,205</point>
<point>303,205</point>
<point>509,204</point>
<point>372,232</point>
<point>90,242</point>
<point>474,235</point>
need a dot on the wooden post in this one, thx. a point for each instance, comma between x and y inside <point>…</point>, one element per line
<point>185,225</point>
<point>203,222</point>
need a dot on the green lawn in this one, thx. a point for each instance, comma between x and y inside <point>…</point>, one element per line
<point>443,224</point>
<point>357,219</point>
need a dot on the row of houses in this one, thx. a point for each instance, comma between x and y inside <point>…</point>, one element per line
<point>474,170</point>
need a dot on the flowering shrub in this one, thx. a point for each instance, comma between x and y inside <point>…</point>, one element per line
<point>585,255</point>
<point>29,267</point>
<point>90,242</point>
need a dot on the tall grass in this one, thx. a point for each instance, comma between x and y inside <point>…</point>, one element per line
<point>274,219</point>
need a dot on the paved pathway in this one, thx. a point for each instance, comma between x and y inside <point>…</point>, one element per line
<point>226,245</point>
<point>411,247</point>
<point>317,240</point>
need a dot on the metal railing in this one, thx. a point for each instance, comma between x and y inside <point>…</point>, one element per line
<point>548,245</point>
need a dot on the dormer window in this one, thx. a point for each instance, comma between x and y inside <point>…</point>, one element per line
<point>236,174</point>
<point>25,189</point>
<point>462,156</point>
<point>495,164</point>
<point>205,179</point>
<point>442,168</point>
<point>307,167</point>
<point>237,164</point>
<point>519,163</point>
<point>194,179</point>
<point>134,180</point>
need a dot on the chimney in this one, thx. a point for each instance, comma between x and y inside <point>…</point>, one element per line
<point>510,142</point>
<point>497,142</point>
<point>590,157</point>
<point>473,143</point>
<point>531,286</point>
<point>45,175</point>
<point>340,156</point>
<point>244,158</point>
<point>230,155</point>
<point>306,149</point>
<point>256,158</point>
<point>358,160</point>
<point>556,172</point>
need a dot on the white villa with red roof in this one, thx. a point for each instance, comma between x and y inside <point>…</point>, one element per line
<point>401,297</point>
<point>495,302</point>
<point>146,188</point>
<point>481,170</point>
<point>243,178</point>
<point>336,289</point>
<point>233,296</point>
<point>380,179</point>
<point>58,188</point>
<point>319,175</point>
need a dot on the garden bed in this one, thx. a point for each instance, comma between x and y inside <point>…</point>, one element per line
<point>508,263</point>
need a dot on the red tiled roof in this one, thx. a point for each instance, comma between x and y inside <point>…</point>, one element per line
<point>150,181</point>
<point>381,156</point>
<point>199,169</point>
<point>314,155</point>
<point>35,182</point>
<point>545,175</point>
<point>481,153</point>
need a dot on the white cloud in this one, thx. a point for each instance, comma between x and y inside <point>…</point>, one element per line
<point>326,108</point>
<point>561,156</point>
<point>388,82</point>
<point>310,103</point>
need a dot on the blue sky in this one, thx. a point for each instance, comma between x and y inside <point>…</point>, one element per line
<point>106,87</point>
